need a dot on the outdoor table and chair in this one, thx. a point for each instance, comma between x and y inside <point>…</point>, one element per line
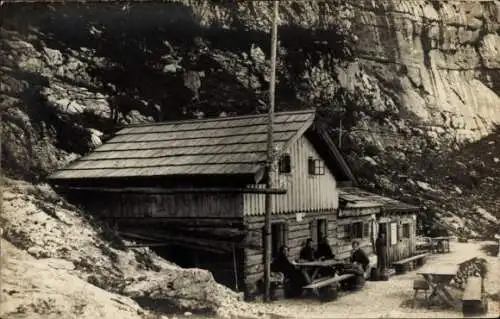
<point>441,244</point>
<point>317,282</point>
<point>439,279</point>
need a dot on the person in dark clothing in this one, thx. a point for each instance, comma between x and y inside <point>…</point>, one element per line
<point>360,263</point>
<point>294,279</point>
<point>381,250</point>
<point>282,263</point>
<point>359,256</point>
<point>324,250</point>
<point>307,252</point>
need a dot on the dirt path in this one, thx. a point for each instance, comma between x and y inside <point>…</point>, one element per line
<point>393,298</point>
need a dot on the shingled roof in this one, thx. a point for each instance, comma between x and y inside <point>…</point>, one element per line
<point>219,146</point>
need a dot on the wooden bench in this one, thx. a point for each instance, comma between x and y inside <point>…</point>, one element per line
<point>401,265</point>
<point>473,301</point>
<point>324,286</point>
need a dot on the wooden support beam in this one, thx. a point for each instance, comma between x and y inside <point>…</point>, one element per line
<point>148,245</point>
<point>216,246</point>
<point>223,235</point>
<point>159,191</point>
<point>212,250</point>
<point>219,241</point>
<point>179,222</point>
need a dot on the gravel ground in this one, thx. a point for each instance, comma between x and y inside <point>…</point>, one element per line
<point>390,299</point>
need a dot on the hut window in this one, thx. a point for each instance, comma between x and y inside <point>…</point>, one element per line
<point>285,164</point>
<point>406,230</point>
<point>316,166</point>
<point>356,230</point>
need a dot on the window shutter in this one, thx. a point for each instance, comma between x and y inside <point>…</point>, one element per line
<point>285,164</point>
<point>285,234</point>
<point>262,235</point>
<point>347,231</point>
<point>310,164</point>
<point>366,230</point>
<point>312,230</point>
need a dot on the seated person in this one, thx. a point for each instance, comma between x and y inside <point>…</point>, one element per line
<point>307,252</point>
<point>360,262</point>
<point>358,256</point>
<point>324,250</point>
<point>294,279</point>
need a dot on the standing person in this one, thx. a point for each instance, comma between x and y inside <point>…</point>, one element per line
<point>381,250</point>
<point>324,250</point>
<point>307,252</point>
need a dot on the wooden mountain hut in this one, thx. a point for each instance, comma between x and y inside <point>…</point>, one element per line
<point>362,215</point>
<point>196,188</point>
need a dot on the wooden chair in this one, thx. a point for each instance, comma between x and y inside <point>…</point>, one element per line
<point>420,284</point>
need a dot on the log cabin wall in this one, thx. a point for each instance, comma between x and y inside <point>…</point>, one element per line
<point>305,192</point>
<point>401,235</point>
<point>347,232</point>
<point>297,228</point>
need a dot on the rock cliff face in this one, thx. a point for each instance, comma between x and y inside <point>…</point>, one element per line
<point>419,82</point>
<point>416,79</point>
<point>435,60</point>
<point>442,58</point>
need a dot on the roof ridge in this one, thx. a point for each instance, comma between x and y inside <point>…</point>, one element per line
<point>220,119</point>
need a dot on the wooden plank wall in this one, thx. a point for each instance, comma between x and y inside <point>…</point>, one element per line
<point>405,247</point>
<point>305,192</point>
<point>298,232</point>
<point>344,243</point>
<point>170,205</point>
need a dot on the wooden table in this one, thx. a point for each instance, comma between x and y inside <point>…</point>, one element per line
<point>445,243</point>
<point>438,277</point>
<point>311,269</point>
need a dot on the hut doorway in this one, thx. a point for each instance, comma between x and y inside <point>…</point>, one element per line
<point>278,237</point>
<point>382,228</point>
<point>321,229</point>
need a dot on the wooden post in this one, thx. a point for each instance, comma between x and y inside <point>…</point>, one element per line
<point>235,265</point>
<point>340,134</point>
<point>270,159</point>
<point>1,172</point>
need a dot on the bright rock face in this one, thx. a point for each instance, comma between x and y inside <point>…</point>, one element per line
<point>443,56</point>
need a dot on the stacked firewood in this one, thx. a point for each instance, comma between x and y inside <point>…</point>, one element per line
<point>475,267</point>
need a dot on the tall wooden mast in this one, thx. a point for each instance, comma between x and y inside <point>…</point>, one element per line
<point>270,156</point>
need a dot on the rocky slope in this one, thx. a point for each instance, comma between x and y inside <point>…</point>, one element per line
<point>31,288</point>
<point>64,246</point>
<point>419,82</point>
